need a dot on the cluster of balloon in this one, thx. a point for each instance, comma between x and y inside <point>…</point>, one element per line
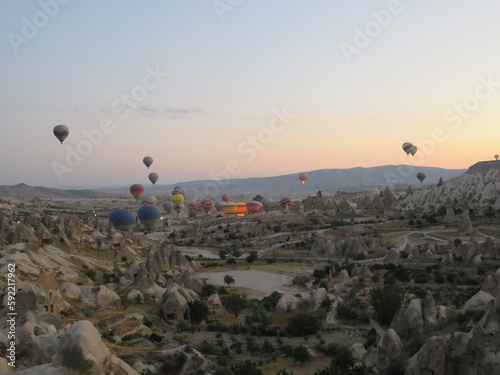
<point>153,177</point>
<point>137,190</point>
<point>122,219</point>
<point>194,208</point>
<point>168,207</point>
<point>421,176</point>
<point>230,208</point>
<point>303,177</point>
<point>218,205</point>
<point>286,203</point>
<point>225,198</point>
<point>266,203</point>
<point>207,205</point>
<point>241,209</point>
<point>177,199</point>
<point>149,215</point>
<point>149,199</point>
<point>409,148</point>
<point>61,132</point>
<point>496,157</point>
<point>254,207</point>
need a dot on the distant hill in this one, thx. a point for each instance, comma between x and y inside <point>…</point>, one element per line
<point>26,191</point>
<point>327,180</point>
<point>484,167</point>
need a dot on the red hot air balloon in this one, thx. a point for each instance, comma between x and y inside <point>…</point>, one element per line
<point>207,205</point>
<point>194,208</point>
<point>241,209</point>
<point>137,190</point>
<point>286,203</point>
<point>225,197</point>
<point>254,207</point>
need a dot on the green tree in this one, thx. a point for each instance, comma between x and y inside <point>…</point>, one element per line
<point>234,303</point>
<point>228,280</point>
<point>301,354</point>
<point>198,311</point>
<point>386,301</point>
<point>252,257</point>
<point>303,325</point>
<point>246,367</point>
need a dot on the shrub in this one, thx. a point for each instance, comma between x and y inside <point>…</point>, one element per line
<point>303,325</point>
<point>386,301</point>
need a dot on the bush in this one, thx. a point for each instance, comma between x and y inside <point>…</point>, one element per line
<point>207,290</point>
<point>303,325</point>
<point>91,274</point>
<point>346,312</point>
<point>301,354</point>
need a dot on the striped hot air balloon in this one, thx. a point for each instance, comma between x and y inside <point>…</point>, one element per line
<point>254,207</point>
<point>149,199</point>
<point>286,203</point>
<point>241,209</point>
<point>149,215</point>
<point>207,205</point>
<point>137,190</point>
<point>122,219</point>
<point>407,147</point>
<point>194,208</point>
<point>230,208</point>
<point>179,190</point>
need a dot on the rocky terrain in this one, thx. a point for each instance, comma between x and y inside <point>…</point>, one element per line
<point>394,282</point>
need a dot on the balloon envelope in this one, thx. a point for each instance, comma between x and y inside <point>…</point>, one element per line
<point>407,146</point>
<point>496,157</point>
<point>286,203</point>
<point>168,207</point>
<point>153,177</point>
<point>137,190</point>
<point>225,197</point>
<point>413,150</point>
<point>178,199</point>
<point>194,208</point>
<point>122,219</point>
<point>241,209</point>
<point>254,207</point>
<point>303,177</point>
<point>218,205</point>
<point>266,202</point>
<point>230,208</point>
<point>179,190</point>
<point>421,176</point>
<point>207,205</point>
<point>149,215</point>
<point>61,132</point>
<point>178,208</point>
<point>149,199</point>
<point>148,160</point>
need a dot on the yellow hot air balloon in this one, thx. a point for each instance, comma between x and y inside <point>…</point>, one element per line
<point>230,208</point>
<point>178,199</point>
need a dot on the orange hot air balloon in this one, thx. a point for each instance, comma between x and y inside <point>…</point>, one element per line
<point>230,208</point>
<point>303,177</point>
<point>241,209</point>
<point>254,207</point>
<point>137,190</point>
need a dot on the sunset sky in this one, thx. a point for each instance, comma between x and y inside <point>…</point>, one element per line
<point>257,88</point>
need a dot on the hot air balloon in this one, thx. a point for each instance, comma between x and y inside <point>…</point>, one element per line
<point>303,177</point>
<point>178,208</point>
<point>496,157</point>
<point>254,207</point>
<point>286,203</point>
<point>149,199</point>
<point>413,150</point>
<point>178,199</point>
<point>230,208</point>
<point>266,203</point>
<point>137,190</point>
<point>168,207</point>
<point>257,198</point>
<point>179,190</point>
<point>225,197</point>
<point>149,215</point>
<point>153,177</point>
<point>241,209</point>
<point>194,208</point>
<point>218,205</point>
<point>421,176</point>
<point>148,160</point>
<point>407,146</point>
<point>122,219</point>
<point>61,132</point>
<point>207,205</point>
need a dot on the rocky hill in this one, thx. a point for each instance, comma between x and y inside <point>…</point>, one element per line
<point>484,167</point>
<point>26,191</point>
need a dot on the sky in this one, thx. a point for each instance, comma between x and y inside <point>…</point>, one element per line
<point>238,88</point>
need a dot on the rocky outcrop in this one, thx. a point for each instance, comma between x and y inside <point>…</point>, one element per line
<point>287,303</point>
<point>175,302</point>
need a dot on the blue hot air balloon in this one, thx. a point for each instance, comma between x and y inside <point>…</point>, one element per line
<point>149,215</point>
<point>421,176</point>
<point>122,219</point>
